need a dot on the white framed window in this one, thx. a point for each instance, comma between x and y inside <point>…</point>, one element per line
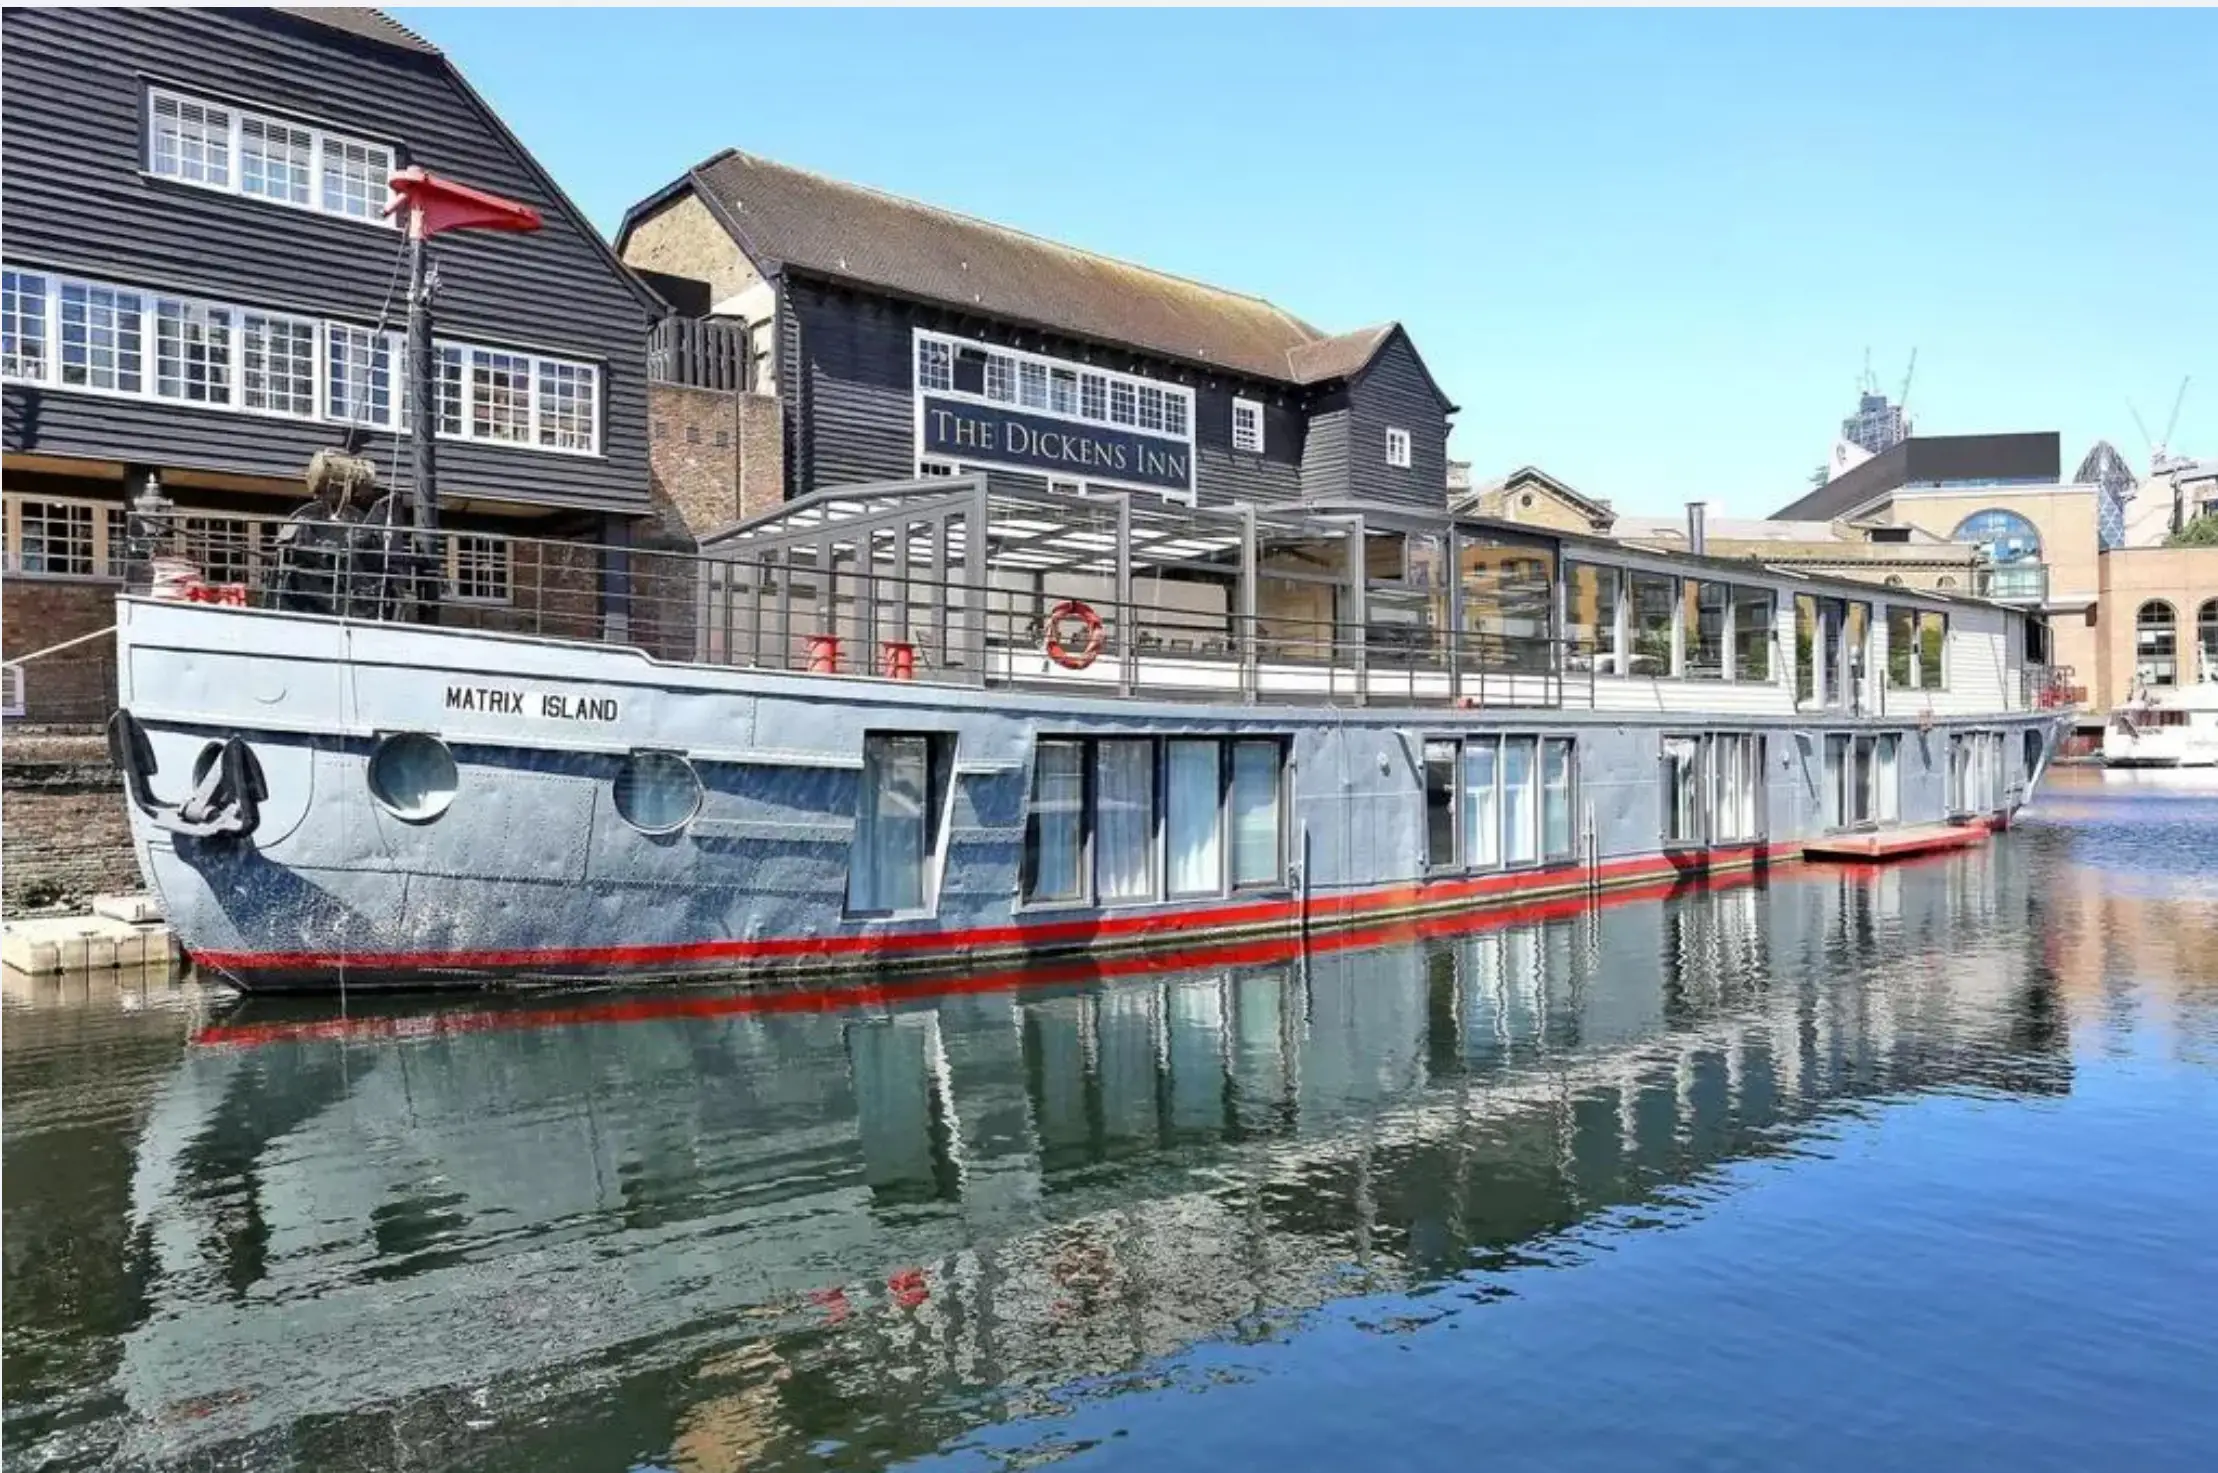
<point>192,140</point>
<point>277,364</point>
<point>453,392</point>
<point>569,397</point>
<point>480,570</point>
<point>1151,407</point>
<point>1062,386</point>
<point>1001,378</point>
<point>500,396</point>
<point>935,363</point>
<point>276,160</point>
<point>214,145</point>
<point>227,549</point>
<point>1032,384</point>
<point>11,690</point>
<point>1247,426</point>
<point>1397,449</point>
<point>192,352</point>
<point>1124,402</point>
<point>1093,396</point>
<point>54,538</point>
<point>1174,414</point>
<point>101,337</point>
<point>359,386</point>
<point>354,176</point>
<point>24,322</point>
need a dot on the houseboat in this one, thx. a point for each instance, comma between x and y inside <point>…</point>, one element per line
<point>2175,726</point>
<point>944,721</point>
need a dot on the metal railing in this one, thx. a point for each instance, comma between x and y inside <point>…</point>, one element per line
<point>873,621</point>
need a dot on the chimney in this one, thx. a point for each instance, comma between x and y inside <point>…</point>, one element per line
<point>1698,530</point>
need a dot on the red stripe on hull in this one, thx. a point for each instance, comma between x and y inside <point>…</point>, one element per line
<point>934,947</point>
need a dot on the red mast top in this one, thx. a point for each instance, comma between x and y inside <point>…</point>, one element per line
<point>435,204</point>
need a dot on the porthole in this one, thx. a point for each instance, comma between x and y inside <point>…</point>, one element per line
<point>413,776</point>
<point>657,792</point>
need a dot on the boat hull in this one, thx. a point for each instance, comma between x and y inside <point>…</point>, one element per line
<point>533,873</point>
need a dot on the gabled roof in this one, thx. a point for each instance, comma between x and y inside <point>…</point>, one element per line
<point>786,218</point>
<point>1563,490</point>
<point>370,25</point>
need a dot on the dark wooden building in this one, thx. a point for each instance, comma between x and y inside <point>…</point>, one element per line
<point>886,338</point>
<point>200,285</point>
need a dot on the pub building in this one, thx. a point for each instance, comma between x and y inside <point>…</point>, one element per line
<point>884,339</point>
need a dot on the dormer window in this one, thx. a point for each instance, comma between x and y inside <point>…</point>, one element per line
<point>213,145</point>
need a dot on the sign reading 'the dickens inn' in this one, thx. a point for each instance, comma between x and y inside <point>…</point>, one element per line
<point>962,431</point>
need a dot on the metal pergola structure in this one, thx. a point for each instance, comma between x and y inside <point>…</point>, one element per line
<point>957,573</point>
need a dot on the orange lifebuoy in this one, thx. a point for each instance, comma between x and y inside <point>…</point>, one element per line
<point>1085,654</point>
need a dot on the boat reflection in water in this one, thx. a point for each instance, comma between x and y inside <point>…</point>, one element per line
<point>714,1232</point>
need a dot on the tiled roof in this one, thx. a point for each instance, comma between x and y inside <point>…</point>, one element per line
<point>370,25</point>
<point>789,217</point>
<point>1337,357</point>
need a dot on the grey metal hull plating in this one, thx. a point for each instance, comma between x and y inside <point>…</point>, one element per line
<point>532,873</point>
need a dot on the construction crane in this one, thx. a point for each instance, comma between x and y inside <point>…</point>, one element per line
<point>2160,446</point>
<point>1902,400</point>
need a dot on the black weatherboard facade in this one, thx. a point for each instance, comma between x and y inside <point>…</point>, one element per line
<point>901,339</point>
<point>89,211</point>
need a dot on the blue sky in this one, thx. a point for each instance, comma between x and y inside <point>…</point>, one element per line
<point>1644,250</point>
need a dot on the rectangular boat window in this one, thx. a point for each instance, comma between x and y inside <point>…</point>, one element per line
<point>1805,648</point>
<point>1124,820</point>
<point>1725,779</point>
<point>1054,830</point>
<point>1832,656</point>
<point>1704,622</point>
<point>1863,781</point>
<point>1654,600</point>
<point>1195,809</point>
<point>1590,617</point>
<point>1932,643</point>
<point>1682,790</point>
<point>1831,784</point>
<point>1482,823</point>
<point>890,869</point>
<point>1556,839</point>
<point>1752,786</point>
<point>1258,837</point>
<point>1902,647</point>
<point>1858,641</point>
<point>1887,799</point>
<point>1520,802</point>
<point>1440,805</point>
<point>1753,614</point>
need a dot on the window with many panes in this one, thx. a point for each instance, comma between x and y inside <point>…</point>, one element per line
<point>1498,801</point>
<point>219,146</point>
<point>1713,788</point>
<point>568,404</point>
<point>480,569</point>
<point>23,325</point>
<point>226,549</point>
<point>192,352</point>
<point>1247,426</point>
<point>500,396</point>
<point>360,386</point>
<point>54,537</point>
<point>1032,384</point>
<point>1124,401</point>
<point>277,364</point>
<point>1150,407</point>
<point>1397,449</point>
<point>1001,378</point>
<point>935,364</point>
<point>1093,396</point>
<point>101,337</point>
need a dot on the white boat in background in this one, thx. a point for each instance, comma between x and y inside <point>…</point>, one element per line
<point>2173,726</point>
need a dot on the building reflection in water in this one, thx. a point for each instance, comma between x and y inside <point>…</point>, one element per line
<point>726,1235</point>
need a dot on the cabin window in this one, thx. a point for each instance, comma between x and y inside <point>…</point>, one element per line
<point>1654,599</point>
<point>1902,648</point>
<point>1194,809</point>
<point>1440,804</point>
<point>1258,832</point>
<point>413,776</point>
<point>1932,651</point>
<point>1482,823</point>
<point>1754,610</point>
<point>657,792</point>
<point>1397,449</point>
<point>1590,617</point>
<point>1833,783</point>
<point>1556,835</point>
<point>896,823</point>
<point>1682,790</point>
<point>1886,800</point>
<point>1520,802</point>
<point>1247,426</point>
<point>1858,653</point>
<point>1704,621</point>
<point>1124,820</point>
<point>1805,648</point>
<point>1219,804</point>
<point>1054,831</point>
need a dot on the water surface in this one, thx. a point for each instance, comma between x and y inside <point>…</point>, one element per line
<point>1862,1169</point>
